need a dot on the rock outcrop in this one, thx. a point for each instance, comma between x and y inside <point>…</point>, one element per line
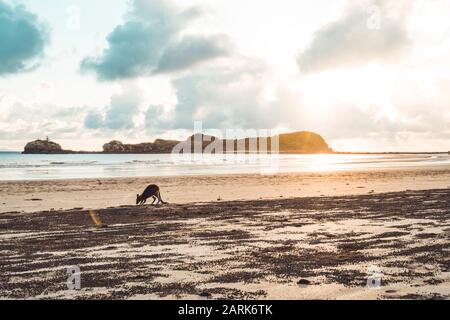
<point>43,147</point>
<point>159,146</point>
<point>303,142</point>
<point>297,142</point>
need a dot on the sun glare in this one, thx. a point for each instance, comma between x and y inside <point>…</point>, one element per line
<point>361,87</point>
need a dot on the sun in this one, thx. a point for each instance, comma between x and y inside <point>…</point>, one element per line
<point>362,87</point>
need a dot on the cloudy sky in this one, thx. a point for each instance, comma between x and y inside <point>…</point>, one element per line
<point>367,75</point>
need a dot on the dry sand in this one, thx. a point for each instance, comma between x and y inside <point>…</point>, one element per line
<point>32,196</point>
<point>252,249</point>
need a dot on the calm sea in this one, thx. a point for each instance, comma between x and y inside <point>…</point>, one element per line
<point>15,166</point>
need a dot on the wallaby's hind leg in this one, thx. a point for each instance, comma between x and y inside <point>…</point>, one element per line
<point>160,200</point>
<point>154,199</point>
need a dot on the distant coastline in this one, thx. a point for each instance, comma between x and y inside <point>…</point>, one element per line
<point>303,142</point>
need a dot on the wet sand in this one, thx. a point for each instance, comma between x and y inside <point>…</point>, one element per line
<point>33,196</point>
<point>296,248</point>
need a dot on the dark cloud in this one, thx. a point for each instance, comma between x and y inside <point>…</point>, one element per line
<point>150,41</point>
<point>94,120</point>
<point>192,50</point>
<point>133,49</point>
<point>22,39</point>
<point>365,34</point>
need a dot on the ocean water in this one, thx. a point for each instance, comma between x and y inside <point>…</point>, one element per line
<point>15,166</point>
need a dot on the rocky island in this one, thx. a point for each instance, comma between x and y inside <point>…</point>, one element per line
<point>297,142</point>
<point>44,147</point>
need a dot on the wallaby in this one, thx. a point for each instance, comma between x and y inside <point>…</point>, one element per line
<point>152,191</point>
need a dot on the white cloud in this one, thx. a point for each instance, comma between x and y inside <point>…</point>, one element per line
<point>368,32</point>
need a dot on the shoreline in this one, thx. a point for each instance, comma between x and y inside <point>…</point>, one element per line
<point>334,152</point>
<point>92,193</point>
<point>436,167</point>
<point>299,248</point>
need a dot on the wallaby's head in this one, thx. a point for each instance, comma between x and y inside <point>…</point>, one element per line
<point>138,199</point>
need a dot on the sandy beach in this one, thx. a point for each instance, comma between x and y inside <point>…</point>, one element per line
<point>34,196</point>
<point>289,236</point>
